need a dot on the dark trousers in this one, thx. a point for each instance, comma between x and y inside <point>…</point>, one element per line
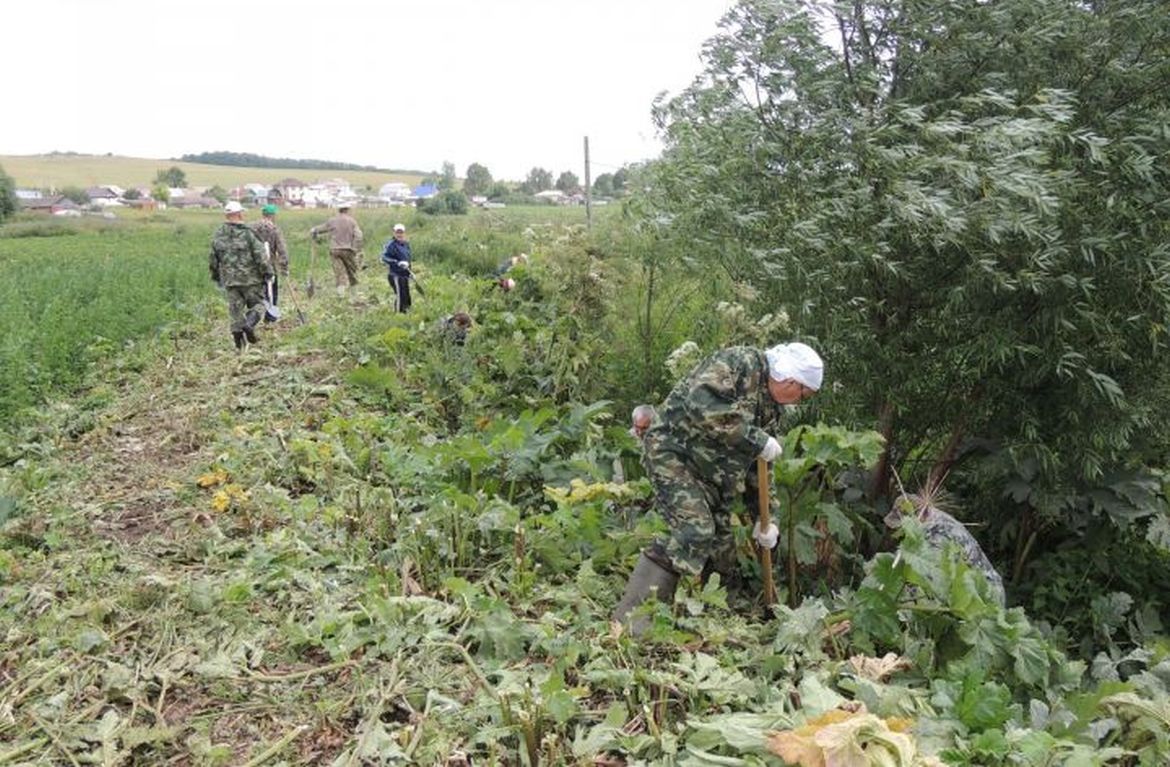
<point>401,288</point>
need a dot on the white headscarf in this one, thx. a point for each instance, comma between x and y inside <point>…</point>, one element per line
<point>796,361</point>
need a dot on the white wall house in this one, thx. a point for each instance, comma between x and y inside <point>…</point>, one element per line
<point>293,190</point>
<point>394,190</point>
<point>258,192</point>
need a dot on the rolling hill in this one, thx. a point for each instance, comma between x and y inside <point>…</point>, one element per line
<point>58,170</point>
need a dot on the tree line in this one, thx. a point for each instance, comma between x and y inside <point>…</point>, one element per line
<point>249,160</point>
<point>967,206</point>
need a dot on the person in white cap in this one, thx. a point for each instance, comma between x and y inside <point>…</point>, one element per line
<point>396,256</point>
<point>240,266</point>
<point>700,450</point>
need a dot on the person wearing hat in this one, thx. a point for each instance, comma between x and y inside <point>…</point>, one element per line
<point>239,265</point>
<point>396,256</point>
<point>270,234</point>
<point>344,245</point>
<point>700,452</point>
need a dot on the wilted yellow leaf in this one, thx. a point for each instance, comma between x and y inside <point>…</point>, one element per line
<point>228,496</point>
<point>878,669</point>
<point>841,738</point>
<point>213,478</point>
<point>580,492</point>
<point>899,724</point>
<point>795,748</point>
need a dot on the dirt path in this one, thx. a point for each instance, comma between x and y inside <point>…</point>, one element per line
<point>140,463</point>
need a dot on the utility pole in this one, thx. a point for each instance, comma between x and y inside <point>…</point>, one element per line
<point>588,190</point>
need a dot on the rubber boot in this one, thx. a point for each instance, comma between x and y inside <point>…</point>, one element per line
<point>648,579</point>
<point>251,319</point>
<point>238,339</point>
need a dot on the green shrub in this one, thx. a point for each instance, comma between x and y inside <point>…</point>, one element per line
<point>450,202</point>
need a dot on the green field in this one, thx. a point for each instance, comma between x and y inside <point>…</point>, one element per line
<point>55,171</point>
<point>76,290</point>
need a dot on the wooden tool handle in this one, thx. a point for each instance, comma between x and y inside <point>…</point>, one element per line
<point>764,480</point>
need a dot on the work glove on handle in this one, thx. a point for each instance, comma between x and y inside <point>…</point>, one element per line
<point>766,538</point>
<point>403,264</point>
<point>772,450</point>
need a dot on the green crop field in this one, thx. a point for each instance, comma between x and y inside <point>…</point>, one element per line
<point>76,290</point>
<point>55,171</point>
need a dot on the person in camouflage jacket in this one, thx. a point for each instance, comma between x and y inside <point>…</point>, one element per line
<point>700,453</point>
<point>940,530</point>
<point>270,234</point>
<point>239,266</point>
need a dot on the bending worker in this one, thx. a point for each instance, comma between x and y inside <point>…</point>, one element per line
<point>700,450</point>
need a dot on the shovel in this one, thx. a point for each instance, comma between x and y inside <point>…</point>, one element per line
<point>292,291</point>
<point>270,308</point>
<point>417,284</point>
<point>764,479</point>
<point>310,287</point>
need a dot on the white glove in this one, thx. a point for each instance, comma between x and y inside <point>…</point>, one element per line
<point>403,264</point>
<point>768,537</point>
<point>772,450</point>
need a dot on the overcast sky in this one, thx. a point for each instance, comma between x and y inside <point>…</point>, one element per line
<point>511,84</point>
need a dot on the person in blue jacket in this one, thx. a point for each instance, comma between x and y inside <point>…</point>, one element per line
<point>396,256</point>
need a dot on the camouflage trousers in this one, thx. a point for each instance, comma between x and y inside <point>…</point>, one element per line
<point>242,299</point>
<point>345,267</point>
<point>698,511</point>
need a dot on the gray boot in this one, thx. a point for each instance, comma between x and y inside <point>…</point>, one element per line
<point>649,578</point>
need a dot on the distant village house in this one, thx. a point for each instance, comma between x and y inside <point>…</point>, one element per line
<point>58,205</point>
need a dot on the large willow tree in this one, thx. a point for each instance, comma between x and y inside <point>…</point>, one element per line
<point>966,204</point>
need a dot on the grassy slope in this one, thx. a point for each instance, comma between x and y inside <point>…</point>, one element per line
<point>42,171</point>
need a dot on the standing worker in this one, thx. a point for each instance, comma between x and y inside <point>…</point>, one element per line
<point>700,450</point>
<point>396,256</point>
<point>239,265</point>
<point>344,245</point>
<point>270,234</point>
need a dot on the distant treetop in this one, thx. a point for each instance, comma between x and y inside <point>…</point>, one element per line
<point>249,160</point>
